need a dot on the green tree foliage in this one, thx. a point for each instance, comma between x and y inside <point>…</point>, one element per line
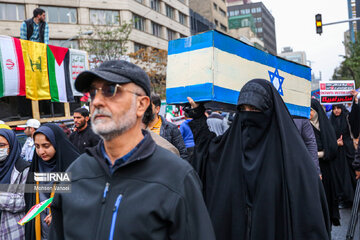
<point>350,67</point>
<point>154,62</point>
<point>108,42</point>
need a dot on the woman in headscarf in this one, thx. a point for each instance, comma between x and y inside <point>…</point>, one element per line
<point>327,150</point>
<point>259,179</point>
<point>13,170</point>
<point>54,153</point>
<point>346,126</point>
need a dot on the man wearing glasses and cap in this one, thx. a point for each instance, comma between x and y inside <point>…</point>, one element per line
<point>27,151</point>
<point>127,187</point>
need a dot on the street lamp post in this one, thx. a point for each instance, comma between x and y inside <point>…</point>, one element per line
<point>90,32</point>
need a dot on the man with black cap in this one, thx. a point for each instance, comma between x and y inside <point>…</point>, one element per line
<point>83,137</point>
<point>127,187</point>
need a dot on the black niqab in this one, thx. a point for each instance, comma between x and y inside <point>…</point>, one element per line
<point>326,140</point>
<point>327,132</point>
<point>268,189</point>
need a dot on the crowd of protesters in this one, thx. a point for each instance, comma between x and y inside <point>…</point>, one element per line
<point>263,175</point>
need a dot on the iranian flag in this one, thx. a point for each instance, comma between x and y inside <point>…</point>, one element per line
<point>59,74</point>
<point>12,71</point>
<point>35,210</point>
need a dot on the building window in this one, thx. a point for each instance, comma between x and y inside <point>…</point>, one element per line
<point>259,30</point>
<point>253,10</point>
<point>222,12</point>
<point>171,34</point>
<point>223,28</point>
<point>138,46</point>
<point>182,18</point>
<point>15,12</point>
<point>215,6</point>
<point>247,11</point>
<point>245,22</point>
<point>236,12</point>
<point>138,22</point>
<point>104,17</point>
<point>156,29</point>
<point>140,1</point>
<point>242,11</point>
<point>170,12</point>
<point>60,14</point>
<point>65,43</point>
<point>258,9</point>
<point>259,19</point>
<point>231,13</point>
<point>155,5</point>
<point>216,22</point>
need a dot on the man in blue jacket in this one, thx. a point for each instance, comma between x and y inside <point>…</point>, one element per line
<point>127,187</point>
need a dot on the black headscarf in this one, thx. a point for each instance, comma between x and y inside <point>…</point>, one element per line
<point>260,180</point>
<point>327,132</point>
<point>340,122</point>
<point>8,164</point>
<point>65,154</point>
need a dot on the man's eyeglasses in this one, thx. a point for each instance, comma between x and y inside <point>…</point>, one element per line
<point>109,91</point>
<point>3,145</point>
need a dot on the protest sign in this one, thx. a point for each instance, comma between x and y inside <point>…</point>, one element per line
<point>336,92</point>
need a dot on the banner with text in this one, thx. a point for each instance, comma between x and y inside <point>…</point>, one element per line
<point>335,92</point>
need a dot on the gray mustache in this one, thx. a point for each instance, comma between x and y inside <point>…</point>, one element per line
<point>99,111</point>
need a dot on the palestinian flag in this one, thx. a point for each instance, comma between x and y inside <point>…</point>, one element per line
<point>12,74</point>
<point>35,210</point>
<point>36,70</point>
<point>59,74</point>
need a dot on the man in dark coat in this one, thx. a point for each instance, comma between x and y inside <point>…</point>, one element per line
<point>259,179</point>
<point>35,29</point>
<point>165,129</point>
<point>84,136</point>
<point>127,187</point>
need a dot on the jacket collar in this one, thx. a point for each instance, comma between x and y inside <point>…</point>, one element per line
<point>145,150</point>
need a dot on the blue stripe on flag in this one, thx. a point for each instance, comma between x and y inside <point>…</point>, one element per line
<point>236,47</point>
<point>204,92</point>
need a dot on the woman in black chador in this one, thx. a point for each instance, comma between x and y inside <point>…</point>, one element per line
<point>346,126</point>
<point>259,179</point>
<point>327,150</point>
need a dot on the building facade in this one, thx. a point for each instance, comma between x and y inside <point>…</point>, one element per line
<point>199,24</point>
<point>297,56</point>
<point>155,22</point>
<point>243,28</point>
<point>264,21</point>
<point>213,10</point>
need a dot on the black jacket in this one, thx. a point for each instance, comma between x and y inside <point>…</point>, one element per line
<point>30,29</point>
<point>153,195</point>
<point>84,139</point>
<point>172,134</point>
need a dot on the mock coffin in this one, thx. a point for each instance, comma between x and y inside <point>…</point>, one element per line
<point>214,67</point>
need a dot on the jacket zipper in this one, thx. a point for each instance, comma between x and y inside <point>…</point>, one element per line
<point>114,216</point>
<point>106,189</point>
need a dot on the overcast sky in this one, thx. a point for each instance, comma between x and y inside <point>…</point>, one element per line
<point>295,27</point>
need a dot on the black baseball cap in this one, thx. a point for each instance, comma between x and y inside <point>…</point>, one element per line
<point>116,71</point>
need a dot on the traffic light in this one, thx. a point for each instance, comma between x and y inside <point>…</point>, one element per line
<point>318,23</point>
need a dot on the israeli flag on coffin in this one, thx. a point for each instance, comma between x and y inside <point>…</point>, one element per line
<point>214,67</point>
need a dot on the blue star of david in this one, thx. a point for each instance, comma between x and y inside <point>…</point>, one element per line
<point>277,81</point>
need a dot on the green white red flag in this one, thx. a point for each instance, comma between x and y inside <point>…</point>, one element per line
<point>35,210</point>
